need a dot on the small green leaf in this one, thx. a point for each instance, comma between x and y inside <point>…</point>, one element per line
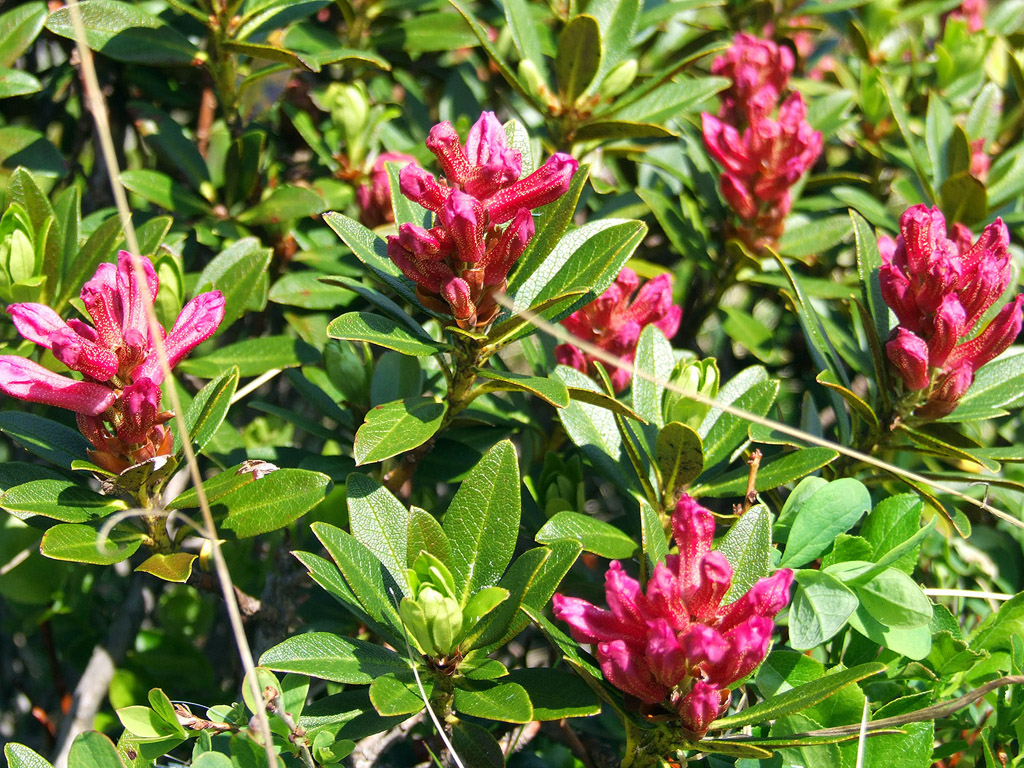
<point>331,657</point>
<point>208,409</point>
<point>397,427</point>
<point>597,536</point>
<point>380,522</point>
<point>556,694</point>
<point>579,56</point>
<point>93,750</point>
<point>175,567</point>
<point>81,544</point>
<point>239,272</point>
<point>829,511</point>
<point>475,746</point>
<point>493,700</point>
<point>160,189</point>
<point>549,390</point>
<point>652,365</point>
<point>272,502</point>
<point>14,82</point>
<point>482,520</point>
<point>19,756</point>
<point>285,203</point>
<point>895,600</point>
<point>47,439</point>
<point>19,27</point>
<point>397,694</point>
<point>253,357</point>
<point>384,332</point>
<point>63,500</point>
<point>820,608</point>
<point>308,291</point>
<point>426,535</point>
<point>773,473</point>
<point>748,548</point>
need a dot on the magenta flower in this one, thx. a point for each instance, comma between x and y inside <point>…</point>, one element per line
<point>971,11</point>
<point>676,644</point>
<point>762,156</point>
<point>939,289</point>
<point>459,264</point>
<point>118,400</point>
<point>615,319</point>
<point>374,197</point>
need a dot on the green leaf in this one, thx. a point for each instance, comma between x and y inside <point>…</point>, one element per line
<point>397,427</point>
<point>286,202</point>
<point>652,365</point>
<point>475,746</point>
<point>19,27</point>
<point>126,33</point>
<point>175,567</point>
<point>963,198</point>
<point>397,694</point>
<point>549,390</point>
<point>309,291</point>
<point>404,209</point>
<point>244,161</point>
<point>384,332</point>
<point>14,82</point>
<point>64,500</point>
<point>270,53</point>
<point>523,27</point>
<point>597,536</point>
<point>493,700</point>
<point>829,511</point>
<point>208,409</point>
<point>590,426</point>
<point>371,249</point>
<point>774,473</point>
<point>380,523</point>
<point>556,694</point>
<point>748,548</point>
<point>166,136</point>
<point>620,129</point>
<point>820,608</point>
<point>19,756</point>
<point>913,643</point>
<point>895,600</point>
<point>272,502</point>
<point>655,545</point>
<point>239,272</point>
<point>797,699</point>
<point>892,522</point>
<point>252,357</point>
<point>920,159</point>
<point>81,544</point>
<point>726,431</point>
<point>814,236</point>
<point>160,189</point>
<point>47,439</point>
<point>997,629</point>
<point>501,623</point>
<point>426,534</point>
<point>579,56</point>
<point>995,386</point>
<point>482,521</point>
<point>92,749</point>
<point>680,456</point>
<point>331,657</point>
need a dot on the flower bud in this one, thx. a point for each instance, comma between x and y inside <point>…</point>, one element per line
<point>693,377</point>
<point>350,109</point>
<point>908,354</point>
<point>533,79</point>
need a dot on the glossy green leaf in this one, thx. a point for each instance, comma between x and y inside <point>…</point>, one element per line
<point>285,203</point>
<point>207,411</point>
<point>13,82</point>
<point>426,535</point>
<point>239,272</point>
<point>126,33</point>
<point>47,439</point>
<point>476,747</point>
<point>774,473</point>
<point>19,27</point>
<point>175,567</point>
<point>494,700</point>
<point>404,209</point>
<point>591,427</point>
<point>163,191</point>
<point>380,522</point>
<point>652,367</point>
<point>19,756</point>
<point>894,599</point>
<point>397,427</point>
<point>384,332</point>
<point>727,432</point>
<point>579,56</point>
<point>913,643</point>
<point>996,630</point>
<point>482,520</point>
<point>799,698</point>
<point>307,290</point>
<point>556,694</point>
<point>272,502</point>
<point>397,694</point>
<point>93,750</point>
<point>547,389</point>
<point>680,456</point>
<point>523,27</point>
<point>597,536</point>
<point>63,500</point>
<point>332,657</point>
<point>81,543</point>
<point>820,608</point>
<point>829,511</point>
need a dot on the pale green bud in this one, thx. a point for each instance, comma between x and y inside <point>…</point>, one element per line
<point>619,79</point>
<point>443,616</point>
<point>693,377</point>
<point>533,79</point>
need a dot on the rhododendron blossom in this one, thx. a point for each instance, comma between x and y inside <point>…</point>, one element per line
<point>374,197</point>
<point>118,400</point>
<point>762,156</point>
<point>459,264</point>
<point>615,319</point>
<point>940,288</point>
<point>675,643</point>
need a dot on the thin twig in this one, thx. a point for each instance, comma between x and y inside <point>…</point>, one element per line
<point>98,109</point>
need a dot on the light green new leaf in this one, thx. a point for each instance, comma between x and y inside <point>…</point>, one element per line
<point>820,608</point>
<point>597,536</point>
<point>380,522</point>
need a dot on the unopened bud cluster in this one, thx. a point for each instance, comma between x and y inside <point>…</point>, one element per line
<point>694,377</point>
<point>614,321</point>
<point>459,264</point>
<point>675,644</point>
<point>118,399</point>
<point>763,156</point>
<point>940,288</point>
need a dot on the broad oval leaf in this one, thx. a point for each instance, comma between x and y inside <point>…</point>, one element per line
<point>579,56</point>
<point>397,427</point>
<point>494,700</point>
<point>272,502</point>
<point>820,608</point>
<point>81,543</point>
<point>597,536</point>
<point>19,756</point>
<point>680,456</point>
<point>832,509</point>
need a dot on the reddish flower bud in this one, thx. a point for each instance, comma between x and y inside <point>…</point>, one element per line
<point>748,645</point>
<point>693,528</point>
<point>463,217</point>
<point>700,707</point>
<point>444,142</point>
<point>766,598</point>
<point>908,354</point>
<point>703,645</point>
<point>29,381</point>
<point>714,580</point>
<point>664,655</point>
<point>948,391</point>
<point>422,188</point>
<point>425,243</point>
<point>950,323</point>
<point>626,670</point>
<point>80,354</point>
<point>546,184</point>
<point>511,244</point>
<point>141,411</point>
<point>197,322</point>
<point>460,298</point>
<point>374,197</point>
<point>1000,334</point>
<point>36,322</point>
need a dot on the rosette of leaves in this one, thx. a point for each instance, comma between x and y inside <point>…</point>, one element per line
<point>442,596</point>
<point>562,268</point>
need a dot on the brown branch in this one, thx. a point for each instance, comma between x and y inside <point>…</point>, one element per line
<point>755,463</point>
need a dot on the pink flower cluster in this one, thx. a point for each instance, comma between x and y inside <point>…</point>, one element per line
<point>939,289</point>
<point>675,643</point>
<point>118,399</point>
<point>459,264</point>
<point>973,12</point>
<point>374,197</point>
<point>614,321</point>
<point>763,157</point>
